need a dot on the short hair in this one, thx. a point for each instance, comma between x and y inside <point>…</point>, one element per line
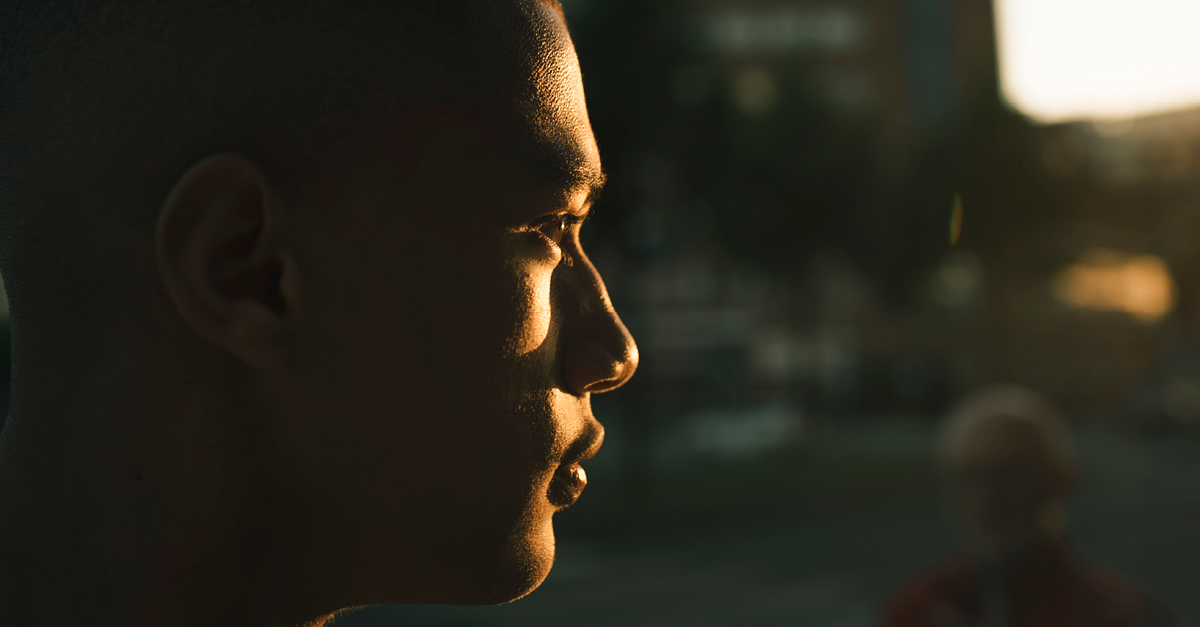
<point>105,103</point>
<point>1015,402</point>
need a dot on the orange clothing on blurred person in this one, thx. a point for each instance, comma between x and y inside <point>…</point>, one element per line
<point>1046,585</point>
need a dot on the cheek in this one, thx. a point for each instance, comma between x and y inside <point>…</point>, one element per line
<point>532,319</point>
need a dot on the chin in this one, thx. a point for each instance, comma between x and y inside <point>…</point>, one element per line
<point>519,568</point>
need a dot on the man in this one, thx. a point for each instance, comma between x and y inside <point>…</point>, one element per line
<point>1010,463</point>
<point>300,316</point>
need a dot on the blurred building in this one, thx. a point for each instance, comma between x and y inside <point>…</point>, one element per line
<point>910,65</point>
<point>1102,309</point>
<point>803,339</point>
<point>824,223</point>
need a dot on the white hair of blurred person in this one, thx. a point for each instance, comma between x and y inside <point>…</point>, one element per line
<point>1010,463</point>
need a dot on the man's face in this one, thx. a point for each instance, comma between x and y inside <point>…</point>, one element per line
<point>451,332</point>
<point>1000,481</point>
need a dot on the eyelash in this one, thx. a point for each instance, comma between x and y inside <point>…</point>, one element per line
<point>563,221</point>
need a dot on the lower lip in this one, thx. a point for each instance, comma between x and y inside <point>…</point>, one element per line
<point>566,486</point>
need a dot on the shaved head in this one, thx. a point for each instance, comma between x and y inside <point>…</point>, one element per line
<point>1005,420</point>
<point>1010,461</point>
<point>311,272</point>
<point>105,104</point>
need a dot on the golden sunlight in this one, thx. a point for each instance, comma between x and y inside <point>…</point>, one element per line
<point>1106,280</point>
<point>1098,59</point>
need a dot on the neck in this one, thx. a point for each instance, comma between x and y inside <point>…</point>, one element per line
<point>118,513</point>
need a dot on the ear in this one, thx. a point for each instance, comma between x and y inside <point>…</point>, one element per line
<point>223,259</point>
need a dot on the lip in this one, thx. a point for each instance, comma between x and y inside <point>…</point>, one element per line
<point>569,478</point>
<point>567,485</point>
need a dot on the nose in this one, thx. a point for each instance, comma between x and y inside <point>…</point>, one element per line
<point>599,353</point>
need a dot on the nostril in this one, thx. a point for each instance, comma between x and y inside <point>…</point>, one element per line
<point>600,354</point>
<point>607,384</point>
<point>600,386</point>
<point>593,368</point>
<point>618,370</point>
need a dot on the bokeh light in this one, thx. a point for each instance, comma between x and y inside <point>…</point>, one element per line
<point>1105,280</point>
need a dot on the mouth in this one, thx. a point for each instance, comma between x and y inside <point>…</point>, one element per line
<point>570,478</point>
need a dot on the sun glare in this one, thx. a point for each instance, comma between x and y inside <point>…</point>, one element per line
<point>1098,59</point>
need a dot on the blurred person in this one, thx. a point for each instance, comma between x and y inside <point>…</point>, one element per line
<point>1010,467</point>
<point>300,316</point>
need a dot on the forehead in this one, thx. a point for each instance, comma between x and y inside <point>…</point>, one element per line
<point>996,439</point>
<point>506,103</point>
<point>543,93</point>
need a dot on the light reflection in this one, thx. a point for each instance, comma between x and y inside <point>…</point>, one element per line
<point>1084,59</point>
<point>1106,280</point>
<point>956,220</point>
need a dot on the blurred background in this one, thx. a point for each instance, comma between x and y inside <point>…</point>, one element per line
<point>826,221</point>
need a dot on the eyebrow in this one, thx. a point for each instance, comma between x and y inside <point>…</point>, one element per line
<point>594,183</point>
<point>570,174</point>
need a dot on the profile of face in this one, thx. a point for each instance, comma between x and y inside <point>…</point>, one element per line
<point>428,355</point>
<point>1002,484</point>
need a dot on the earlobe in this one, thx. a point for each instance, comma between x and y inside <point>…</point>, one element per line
<point>224,262</point>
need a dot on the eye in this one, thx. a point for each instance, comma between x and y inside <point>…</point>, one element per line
<point>553,228</point>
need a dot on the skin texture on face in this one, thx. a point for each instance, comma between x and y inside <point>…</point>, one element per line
<point>453,331</point>
<point>460,342</point>
<point>367,384</point>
